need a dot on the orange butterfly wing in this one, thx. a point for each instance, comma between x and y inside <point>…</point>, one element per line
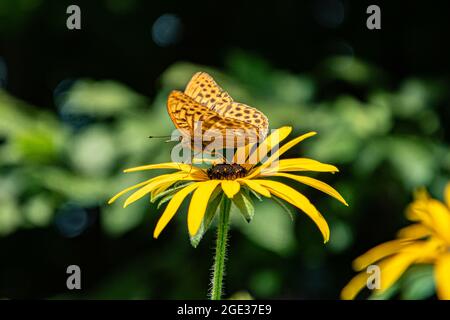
<point>203,89</point>
<point>186,114</point>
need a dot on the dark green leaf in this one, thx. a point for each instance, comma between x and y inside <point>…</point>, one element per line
<point>418,283</point>
<point>386,295</point>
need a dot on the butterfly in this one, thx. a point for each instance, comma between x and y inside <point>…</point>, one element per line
<point>205,108</point>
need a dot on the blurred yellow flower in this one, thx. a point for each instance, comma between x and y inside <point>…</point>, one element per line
<point>427,241</point>
<point>234,181</point>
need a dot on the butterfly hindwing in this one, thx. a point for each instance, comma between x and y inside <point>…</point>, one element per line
<point>249,115</point>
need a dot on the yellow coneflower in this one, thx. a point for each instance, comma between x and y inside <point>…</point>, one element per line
<point>220,184</point>
<point>235,181</point>
<point>427,241</point>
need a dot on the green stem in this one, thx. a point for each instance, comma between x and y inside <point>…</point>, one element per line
<point>221,248</point>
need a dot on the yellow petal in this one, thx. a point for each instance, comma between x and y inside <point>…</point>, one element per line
<point>255,186</point>
<point>198,204</point>
<point>379,252</point>
<point>447,194</point>
<point>433,214</point>
<point>319,185</point>
<point>155,183</point>
<point>129,189</point>
<point>276,155</point>
<point>300,201</point>
<point>168,165</point>
<point>417,211</point>
<point>230,187</point>
<point>414,231</point>
<point>271,141</point>
<point>299,164</point>
<point>442,276</point>
<point>440,218</point>
<point>161,188</point>
<point>355,285</point>
<point>392,268</point>
<point>172,207</point>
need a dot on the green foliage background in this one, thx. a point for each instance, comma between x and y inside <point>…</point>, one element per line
<point>59,166</point>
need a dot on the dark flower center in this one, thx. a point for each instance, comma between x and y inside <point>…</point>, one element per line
<point>226,172</point>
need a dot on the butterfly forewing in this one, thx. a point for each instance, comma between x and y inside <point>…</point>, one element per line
<point>188,115</point>
<point>207,112</point>
<point>203,89</point>
<point>185,112</point>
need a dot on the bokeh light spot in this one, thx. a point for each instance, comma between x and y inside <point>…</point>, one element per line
<point>65,109</point>
<point>329,13</point>
<point>71,220</point>
<point>166,30</point>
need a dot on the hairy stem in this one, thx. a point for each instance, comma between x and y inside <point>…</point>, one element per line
<point>221,247</point>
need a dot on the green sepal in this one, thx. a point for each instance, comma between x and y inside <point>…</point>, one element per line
<point>289,211</point>
<point>166,195</point>
<point>244,203</point>
<point>257,196</point>
<point>165,199</point>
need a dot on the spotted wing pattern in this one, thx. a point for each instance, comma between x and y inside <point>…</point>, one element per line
<point>186,114</point>
<point>204,90</point>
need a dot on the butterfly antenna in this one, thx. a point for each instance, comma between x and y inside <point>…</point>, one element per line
<point>158,137</point>
<point>162,137</point>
